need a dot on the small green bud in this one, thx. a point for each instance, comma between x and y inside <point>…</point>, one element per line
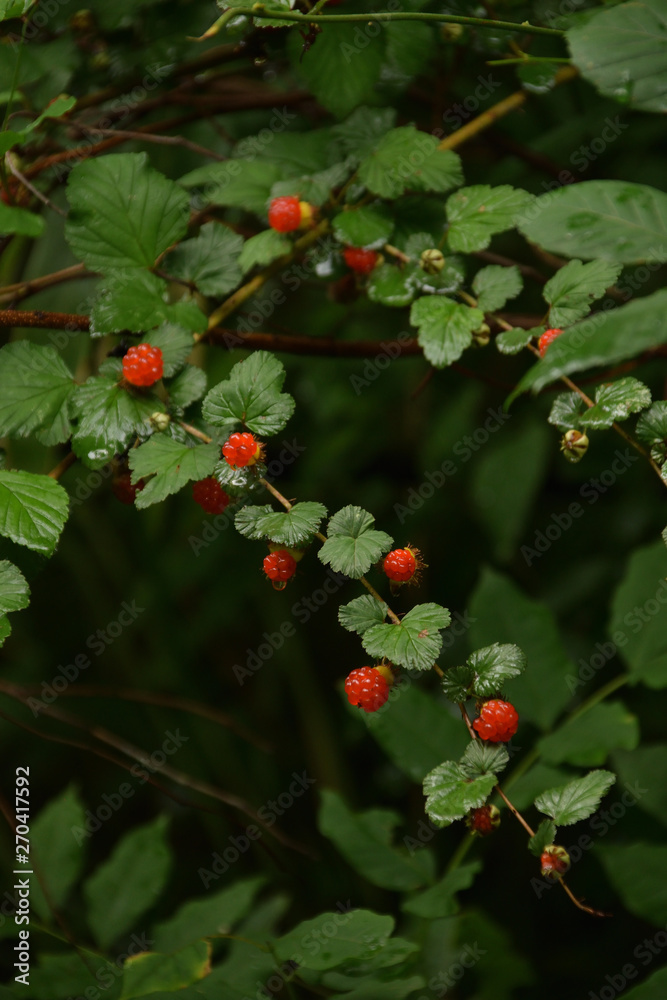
<point>432,261</point>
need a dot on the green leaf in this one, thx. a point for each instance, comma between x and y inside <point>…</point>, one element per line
<point>57,851</point>
<point>391,285</point>
<point>638,872</point>
<point>238,482</point>
<point>362,131</point>
<point>14,589</point>
<point>33,510</point>
<point>544,836</point>
<point>567,411</point>
<point>576,800</point>
<point>19,221</point>
<point>110,415</point>
<point>362,613</point>
<point>406,159</point>
<point>173,465</point>
<point>124,886</point>
<point>314,188</point>
<point>5,630</point>
<point>653,988</point>
<point>623,52</point>
<point>176,344</point>
<point>495,665</point>
<point>616,220</point>
<point>445,328</point>
<point>477,213</point>
<point>480,758</point>
<point>495,285</point>
<point>643,772</point>
<point>365,841</point>
<point>440,900</point>
<point>366,226</point>
<point>136,300</point>
<point>588,739</point>
<point>35,389</point>
<point>290,528</point>
<point>513,341</point>
<point>188,386</point>
<point>123,213</point>
<point>415,642</point>
<point>638,624</point>
<point>457,684</point>
<point>150,971</point>
<point>352,544</point>
<point>238,183</point>
<point>339,73</point>
<point>652,425</point>
<point>251,396</point>
<point>359,934</point>
<point>602,339</point>
<point>263,249</point>
<point>210,260</point>
<point>450,794</point>
<point>574,288</point>
<point>55,109</point>
<point>207,917</point>
<point>616,401</point>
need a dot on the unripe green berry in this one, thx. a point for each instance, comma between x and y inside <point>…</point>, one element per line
<point>432,261</point>
<point>160,421</point>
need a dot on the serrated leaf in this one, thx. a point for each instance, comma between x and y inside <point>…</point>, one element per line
<point>477,213</point>
<point>123,213</point>
<point>406,159</point>
<point>136,300</point>
<point>188,386</point>
<point>290,528</point>
<point>391,285</point>
<point>314,188</point>
<point>151,972</point>
<point>495,665</point>
<point>237,183</point>
<point>652,425</point>
<point>14,589</point>
<point>457,683</point>
<point>445,328</point>
<point>263,249</point>
<point>440,899</point>
<point>175,342</point>
<point>574,288</point>
<point>616,220</point>
<point>210,260</point>
<point>544,836</point>
<point>35,389</point>
<point>616,401</point>
<point>588,739</point>
<point>567,410</point>
<point>251,396</point>
<point>362,613</point>
<point>641,634</point>
<point>33,510</point>
<point>366,226</point>
<point>19,221</point>
<point>360,934</point>
<point>578,799</point>
<point>450,794</point>
<point>5,630</point>
<point>415,642</point>
<point>481,758</point>
<point>352,544</point>
<point>365,841</point>
<point>171,465</point>
<point>110,415</point>
<point>238,482</point>
<point>513,341</point>
<point>360,133</point>
<point>495,285</point>
<point>334,70</point>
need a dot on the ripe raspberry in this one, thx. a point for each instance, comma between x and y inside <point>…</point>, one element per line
<point>400,565</point>
<point>241,450</point>
<point>367,688</point>
<point>280,566</point>
<point>554,862</point>
<point>547,337</point>
<point>210,496</point>
<point>285,214</point>
<point>497,721</point>
<point>483,821</point>
<point>142,365</point>
<point>124,489</point>
<point>360,260</point>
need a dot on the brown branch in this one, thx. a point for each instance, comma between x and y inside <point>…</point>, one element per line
<point>22,289</point>
<point>43,320</point>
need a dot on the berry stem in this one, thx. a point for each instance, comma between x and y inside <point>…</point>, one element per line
<point>195,432</point>
<point>515,812</point>
<point>63,466</point>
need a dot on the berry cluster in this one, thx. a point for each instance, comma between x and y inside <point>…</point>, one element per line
<point>483,821</point>
<point>368,687</point>
<point>280,566</point>
<point>142,365</point>
<point>210,496</point>
<point>241,449</point>
<point>401,565</point>
<point>497,721</point>
<point>288,213</point>
<point>360,260</point>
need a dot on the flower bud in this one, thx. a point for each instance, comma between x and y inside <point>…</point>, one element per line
<point>574,445</point>
<point>555,861</point>
<point>432,261</point>
<point>160,421</point>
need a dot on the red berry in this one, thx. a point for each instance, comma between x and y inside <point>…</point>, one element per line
<point>497,722</point>
<point>124,489</point>
<point>554,862</point>
<point>547,338</point>
<point>360,260</point>
<point>367,688</point>
<point>400,565</point>
<point>483,821</point>
<point>210,496</point>
<point>142,365</point>
<point>285,214</point>
<point>241,450</point>
<point>280,565</point>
